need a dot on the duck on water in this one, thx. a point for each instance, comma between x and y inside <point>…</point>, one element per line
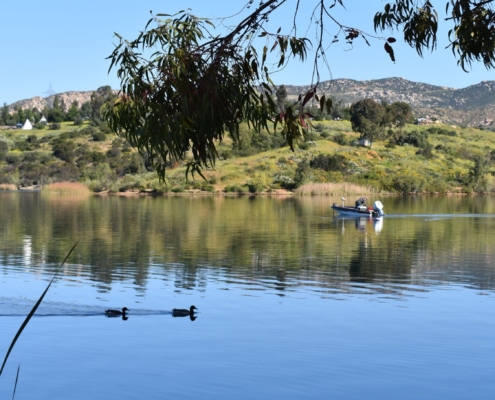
<point>116,313</point>
<point>183,312</point>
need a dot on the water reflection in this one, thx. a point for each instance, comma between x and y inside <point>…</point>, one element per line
<point>279,246</point>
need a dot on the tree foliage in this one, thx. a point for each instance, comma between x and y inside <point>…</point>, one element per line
<point>369,119</point>
<point>102,95</point>
<point>196,87</point>
<point>471,39</point>
<point>399,114</point>
<point>183,85</point>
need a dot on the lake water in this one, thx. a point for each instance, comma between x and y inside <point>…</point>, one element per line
<point>293,302</point>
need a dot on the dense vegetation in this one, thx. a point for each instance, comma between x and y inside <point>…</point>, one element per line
<point>403,159</point>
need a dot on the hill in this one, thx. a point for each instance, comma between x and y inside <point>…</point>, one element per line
<point>470,106</point>
<point>41,102</point>
<point>445,160</point>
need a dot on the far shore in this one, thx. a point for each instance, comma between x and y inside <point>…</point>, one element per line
<point>69,188</point>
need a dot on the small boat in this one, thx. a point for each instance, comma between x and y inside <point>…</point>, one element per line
<point>360,211</point>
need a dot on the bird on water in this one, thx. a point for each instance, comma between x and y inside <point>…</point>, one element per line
<point>115,313</point>
<point>183,312</point>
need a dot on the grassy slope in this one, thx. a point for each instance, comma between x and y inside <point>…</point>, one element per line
<point>380,161</point>
<point>379,164</point>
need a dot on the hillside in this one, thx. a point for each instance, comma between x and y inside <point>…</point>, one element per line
<point>41,102</point>
<point>435,159</point>
<point>470,106</point>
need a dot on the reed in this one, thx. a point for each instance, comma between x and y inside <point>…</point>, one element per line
<point>66,188</point>
<point>16,380</point>
<point>8,186</point>
<point>334,189</point>
<point>33,310</point>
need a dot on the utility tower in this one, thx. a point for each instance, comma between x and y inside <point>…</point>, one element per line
<point>50,91</point>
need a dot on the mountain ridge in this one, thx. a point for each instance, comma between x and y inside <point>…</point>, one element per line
<point>473,105</point>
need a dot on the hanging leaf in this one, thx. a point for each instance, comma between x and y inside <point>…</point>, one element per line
<point>308,96</point>
<point>329,105</point>
<point>390,51</point>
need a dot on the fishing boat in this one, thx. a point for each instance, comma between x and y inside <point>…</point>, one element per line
<point>361,210</point>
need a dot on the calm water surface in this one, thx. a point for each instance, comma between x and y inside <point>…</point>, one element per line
<point>293,302</point>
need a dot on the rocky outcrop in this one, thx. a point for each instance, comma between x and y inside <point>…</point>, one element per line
<point>41,102</point>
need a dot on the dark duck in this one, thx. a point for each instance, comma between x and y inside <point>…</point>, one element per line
<point>116,313</point>
<point>183,312</point>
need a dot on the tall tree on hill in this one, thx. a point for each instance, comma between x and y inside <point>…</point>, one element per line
<point>55,114</point>
<point>399,114</point>
<point>369,119</point>
<point>102,95</point>
<point>196,84</point>
<point>73,112</point>
<point>85,111</point>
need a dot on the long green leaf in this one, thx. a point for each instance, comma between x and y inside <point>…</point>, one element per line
<point>31,313</point>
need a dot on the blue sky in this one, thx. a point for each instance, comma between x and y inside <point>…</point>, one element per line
<point>65,43</point>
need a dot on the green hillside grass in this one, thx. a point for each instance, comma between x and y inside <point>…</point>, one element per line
<point>108,164</point>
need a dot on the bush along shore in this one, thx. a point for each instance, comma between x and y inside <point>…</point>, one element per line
<point>417,159</point>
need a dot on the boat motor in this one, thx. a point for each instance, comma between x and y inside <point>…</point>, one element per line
<point>378,207</point>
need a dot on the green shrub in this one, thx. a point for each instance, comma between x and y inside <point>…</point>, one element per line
<point>4,150</point>
<point>302,174</point>
<point>257,183</point>
<point>54,126</point>
<point>235,189</point>
<point>99,137</point>
<point>341,139</point>
<point>426,152</point>
<point>319,127</point>
<point>414,138</point>
<point>390,144</point>
<point>408,183</point>
<point>436,130</point>
<point>89,131</point>
<point>436,185</point>
<point>284,181</point>
<point>327,162</point>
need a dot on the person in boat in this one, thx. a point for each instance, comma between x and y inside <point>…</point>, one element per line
<point>361,202</point>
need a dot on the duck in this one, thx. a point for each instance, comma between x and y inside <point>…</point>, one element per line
<point>115,313</point>
<point>183,312</point>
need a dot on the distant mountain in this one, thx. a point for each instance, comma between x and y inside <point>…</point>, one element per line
<point>473,105</point>
<point>470,106</point>
<point>41,102</point>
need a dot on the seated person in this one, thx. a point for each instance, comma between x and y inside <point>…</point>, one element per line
<point>361,201</point>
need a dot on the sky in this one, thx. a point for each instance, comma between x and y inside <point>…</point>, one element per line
<point>62,45</point>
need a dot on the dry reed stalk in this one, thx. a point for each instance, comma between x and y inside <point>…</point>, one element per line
<point>334,189</point>
<point>33,310</point>
<point>66,188</point>
<point>8,186</point>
